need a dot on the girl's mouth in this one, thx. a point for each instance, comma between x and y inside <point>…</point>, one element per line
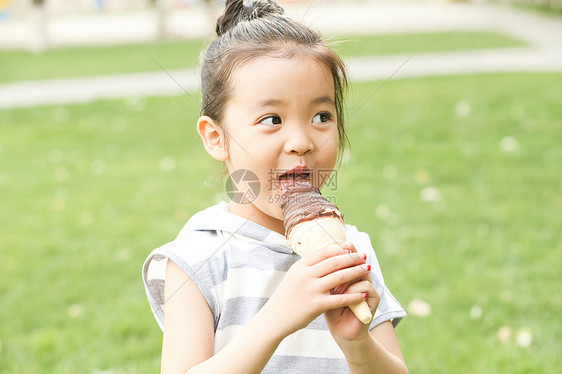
<point>295,176</point>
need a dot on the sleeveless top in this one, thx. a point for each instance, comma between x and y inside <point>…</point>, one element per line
<point>237,264</point>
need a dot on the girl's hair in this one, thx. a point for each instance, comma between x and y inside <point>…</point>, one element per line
<point>255,29</point>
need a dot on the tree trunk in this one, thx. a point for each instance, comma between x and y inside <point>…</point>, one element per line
<point>40,41</point>
<point>161,16</point>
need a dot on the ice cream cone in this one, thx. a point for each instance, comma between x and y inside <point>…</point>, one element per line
<point>316,234</point>
<point>314,226</point>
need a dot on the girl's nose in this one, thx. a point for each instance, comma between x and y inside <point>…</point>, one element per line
<point>298,141</point>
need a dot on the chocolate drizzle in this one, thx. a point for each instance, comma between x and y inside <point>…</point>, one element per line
<point>303,202</point>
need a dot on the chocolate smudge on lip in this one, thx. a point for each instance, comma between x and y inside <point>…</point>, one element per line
<point>291,178</point>
<point>304,202</point>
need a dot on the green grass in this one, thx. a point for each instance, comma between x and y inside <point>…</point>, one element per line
<point>387,44</point>
<point>85,61</point>
<point>76,62</point>
<point>494,238</point>
<point>88,190</point>
<point>547,7</point>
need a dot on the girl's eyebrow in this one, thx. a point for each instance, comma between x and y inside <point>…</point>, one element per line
<point>273,102</point>
<point>324,100</point>
<point>269,102</point>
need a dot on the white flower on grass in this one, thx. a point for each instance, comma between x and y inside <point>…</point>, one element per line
<point>135,103</point>
<point>505,296</point>
<point>58,204</point>
<point>431,194</point>
<point>55,156</point>
<point>393,219</point>
<point>421,176</point>
<point>97,167</point>
<point>462,108</point>
<point>123,254</point>
<point>419,308</point>
<point>509,144</point>
<point>383,211</point>
<point>476,312</point>
<point>167,163</point>
<point>62,174</point>
<point>504,333</point>
<point>524,338</point>
<point>86,218</point>
<point>75,310</point>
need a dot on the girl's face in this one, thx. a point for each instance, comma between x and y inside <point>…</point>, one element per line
<point>281,117</point>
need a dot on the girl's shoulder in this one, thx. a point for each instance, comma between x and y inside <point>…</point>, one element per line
<point>353,231</point>
<point>197,251</point>
<point>360,239</point>
<point>362,242</point>
<point>201,238</point>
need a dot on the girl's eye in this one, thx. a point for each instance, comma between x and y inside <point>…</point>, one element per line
<point>271,120</point>
<point>321,118</point>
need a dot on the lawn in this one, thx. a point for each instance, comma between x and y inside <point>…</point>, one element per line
<point>74,62</point>
<point>459,180</point>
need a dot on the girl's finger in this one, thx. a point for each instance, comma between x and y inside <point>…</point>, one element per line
<point>343,276</point>
<point>368,288</point>
<point>343,300</point>
<point>338,262</point>
<point>364,286</point>
<point>329,251</point>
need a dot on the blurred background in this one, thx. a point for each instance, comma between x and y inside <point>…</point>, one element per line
<point>456,154</point>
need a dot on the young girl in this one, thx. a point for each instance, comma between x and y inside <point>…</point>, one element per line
<point>228,292</point>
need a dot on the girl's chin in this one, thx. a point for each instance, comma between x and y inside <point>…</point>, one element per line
<point>258,208</point>
<point>272,211</point>
<point>271,208</point>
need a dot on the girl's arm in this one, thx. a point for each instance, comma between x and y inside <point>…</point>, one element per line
<point>189,334</point>
<point>188,325</point>
<point>375,351</point>
<point>303,294</point>
<point>379,352</point>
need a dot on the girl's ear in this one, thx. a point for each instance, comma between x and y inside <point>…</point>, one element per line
<point>213,138</point>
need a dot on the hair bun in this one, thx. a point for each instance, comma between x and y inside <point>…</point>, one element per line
<point>236,11</point>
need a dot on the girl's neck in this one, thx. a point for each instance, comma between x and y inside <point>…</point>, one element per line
<point>252,213</point>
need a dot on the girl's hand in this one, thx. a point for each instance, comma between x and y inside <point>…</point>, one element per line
<point>305,291</point>
<point>343,324</point>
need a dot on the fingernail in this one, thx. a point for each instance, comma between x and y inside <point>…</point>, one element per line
<point>364,256</point>
<point>365,295</point>
<point>367,267</point>
<point>348,251</point>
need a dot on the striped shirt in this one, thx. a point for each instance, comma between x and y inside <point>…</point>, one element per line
<point>237,264</point>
